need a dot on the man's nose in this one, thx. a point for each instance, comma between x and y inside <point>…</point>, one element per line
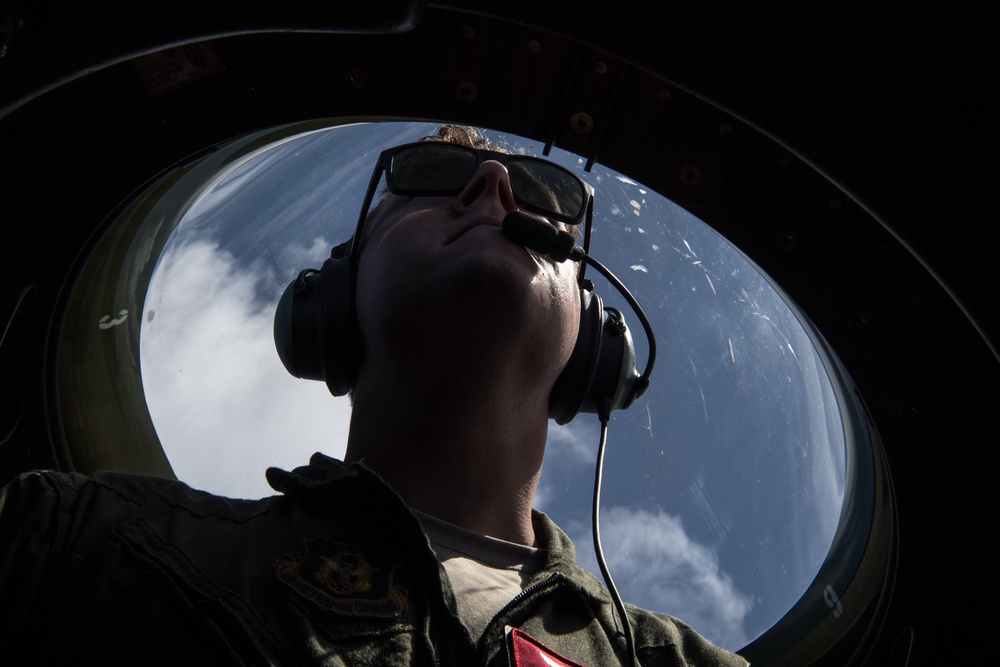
<point>490,183</point>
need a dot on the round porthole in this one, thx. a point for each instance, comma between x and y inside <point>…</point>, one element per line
<point>743,492</point>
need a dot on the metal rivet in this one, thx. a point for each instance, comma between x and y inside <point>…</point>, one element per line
<point>663,95</point>
<point>357,78</point>
<point>468,31</point>
<point>787,240</point>
<point>467,91</point>
<point>835,204</point>
<point>600,67</point>
<point>689,175</point>
<point>725,128</point>
<point>534,46</point>
<point>581,123</point>
<point>859,321</point>
<point>784,160</point>
<point>252,91</point>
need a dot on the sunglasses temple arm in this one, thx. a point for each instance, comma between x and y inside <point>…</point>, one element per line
<point>587,226</point>
<point>369,196</point>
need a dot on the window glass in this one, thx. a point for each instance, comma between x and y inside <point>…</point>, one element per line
<point>723,484</point>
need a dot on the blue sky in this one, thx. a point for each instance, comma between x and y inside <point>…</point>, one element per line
<point>723,484</point>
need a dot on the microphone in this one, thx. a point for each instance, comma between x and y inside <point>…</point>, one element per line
<point>536,233</point>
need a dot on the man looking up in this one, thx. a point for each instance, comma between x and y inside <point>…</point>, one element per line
<point>422,548</point>
<point>464,335</point>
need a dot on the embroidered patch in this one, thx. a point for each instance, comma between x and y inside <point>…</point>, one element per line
<point>344,578</point>
<point>526,651</point>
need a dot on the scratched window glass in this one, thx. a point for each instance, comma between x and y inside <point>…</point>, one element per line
<point>723,483</point>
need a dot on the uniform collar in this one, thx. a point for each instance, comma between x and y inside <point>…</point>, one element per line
<point>326,477</point>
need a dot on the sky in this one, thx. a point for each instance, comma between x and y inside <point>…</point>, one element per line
<point>723,484</point>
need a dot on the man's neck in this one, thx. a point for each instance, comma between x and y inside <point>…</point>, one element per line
<point>468,461</point>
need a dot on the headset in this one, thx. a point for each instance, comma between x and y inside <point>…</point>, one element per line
<point>317,338</point>
<point>317,335</point>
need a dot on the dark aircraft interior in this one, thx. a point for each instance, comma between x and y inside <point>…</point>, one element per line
<point>849,153</point>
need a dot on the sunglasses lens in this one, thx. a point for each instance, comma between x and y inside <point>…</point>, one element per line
<point>439,168</point>
<point>546,187</point>
<point>432,168</point>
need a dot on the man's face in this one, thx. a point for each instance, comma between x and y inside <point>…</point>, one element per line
<point>433,265</point>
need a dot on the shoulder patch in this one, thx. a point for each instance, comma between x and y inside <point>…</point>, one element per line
<point>344,578</point>
<point>526,651</point>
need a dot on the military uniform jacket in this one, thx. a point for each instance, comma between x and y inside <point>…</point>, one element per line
<point>121,569</point>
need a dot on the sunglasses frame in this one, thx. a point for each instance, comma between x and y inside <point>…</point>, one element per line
<point>585,217</point>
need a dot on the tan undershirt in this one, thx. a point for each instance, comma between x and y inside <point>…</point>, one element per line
<point>485,572</point>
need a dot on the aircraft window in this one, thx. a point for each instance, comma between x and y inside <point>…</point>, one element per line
<point>724,484</point>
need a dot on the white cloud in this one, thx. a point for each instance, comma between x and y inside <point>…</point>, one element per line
<point>575,442</point>
<point>657,566</point>
<point>311,254</point>
<point>224,407</point>
<point>572,447</point>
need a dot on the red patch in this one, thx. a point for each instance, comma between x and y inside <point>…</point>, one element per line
<point>526,651</point>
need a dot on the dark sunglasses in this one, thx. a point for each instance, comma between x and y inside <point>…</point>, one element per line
<point>432,168</point>
<point>442,169</point>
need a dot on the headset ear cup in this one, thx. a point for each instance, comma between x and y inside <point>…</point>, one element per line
<point>315,328</point>
<point>573,385</point>
<point>615,376</point>
<point>601,369</point>
<point>296,321</point>
<point>339,336</point>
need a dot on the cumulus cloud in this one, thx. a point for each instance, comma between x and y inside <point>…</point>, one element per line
<point>222,404</point>
<point>570,450</point>
<point>574,443</point>
<point>656,565</point>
